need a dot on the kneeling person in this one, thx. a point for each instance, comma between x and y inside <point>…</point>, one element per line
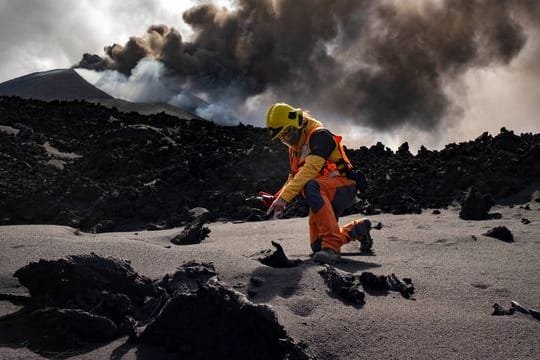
<point>318,170</point>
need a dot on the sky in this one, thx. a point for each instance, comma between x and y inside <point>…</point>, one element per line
<point>38,35</point>
<point>429,72</point>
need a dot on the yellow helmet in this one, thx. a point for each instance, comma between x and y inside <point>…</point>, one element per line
<point>280,116</point>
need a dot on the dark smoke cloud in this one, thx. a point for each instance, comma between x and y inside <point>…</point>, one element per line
<point>416,53</point>
<point>37,35</point>
<point>382,64</point>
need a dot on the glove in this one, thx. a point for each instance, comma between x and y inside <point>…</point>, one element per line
<point>266,198</point>
<point>277,207</point>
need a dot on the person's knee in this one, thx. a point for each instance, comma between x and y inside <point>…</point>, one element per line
<point>316,245</point>
<point>313,195</point>
<point>343,199</point>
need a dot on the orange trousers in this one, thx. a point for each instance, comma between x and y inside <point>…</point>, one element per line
<point>327,198</point>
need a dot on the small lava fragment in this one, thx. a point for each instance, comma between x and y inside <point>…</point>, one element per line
<point>515,307</point>
<point>518,307</point>
<point>436,212</point>
<point>499,310</point>
<point>378,226</point>
<point>525,221</point>
<point>344,285</point>
<point>278,259</point>
<point>193,233</point>
<point>501,233</point>
<point>387,282</point>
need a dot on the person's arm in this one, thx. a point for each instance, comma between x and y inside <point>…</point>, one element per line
<point>321,146</point>
<point>278,193</point>
<point>311,168</point>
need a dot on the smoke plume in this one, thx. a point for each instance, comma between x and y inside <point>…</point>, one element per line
<point>383,65</point>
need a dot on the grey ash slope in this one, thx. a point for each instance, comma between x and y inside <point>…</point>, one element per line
<point>68,85</point>
<point>59,84</point>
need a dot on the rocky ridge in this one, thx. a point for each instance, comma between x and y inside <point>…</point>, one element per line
<point>98,169</point>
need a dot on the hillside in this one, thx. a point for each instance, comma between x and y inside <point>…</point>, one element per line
<point>60,84</point>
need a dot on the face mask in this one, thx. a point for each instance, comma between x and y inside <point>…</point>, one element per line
<point>290,136</point>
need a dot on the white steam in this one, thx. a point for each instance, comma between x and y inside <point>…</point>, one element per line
<point>148,83</point>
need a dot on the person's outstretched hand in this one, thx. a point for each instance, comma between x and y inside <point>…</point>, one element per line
<point>277,207</point>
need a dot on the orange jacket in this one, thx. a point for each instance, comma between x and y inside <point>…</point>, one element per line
<point>306,166</point>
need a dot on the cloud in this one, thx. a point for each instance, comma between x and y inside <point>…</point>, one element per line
<point>383,65</point>
<point>149,83</point>
<point>146,83</point>
<point>427,71</point>
<point>42,35</point>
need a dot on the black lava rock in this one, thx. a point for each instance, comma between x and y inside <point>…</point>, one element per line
<point>499,310</point>
<point>344,285</point>
<point>190,276</point>
<point>386,283</point>
<point>216,322</point>
<point>278,259</point>
<point>60,329</point>
<point>193,233</point>
<point>348,286</point>
<point>475,206</point>
<point>126,171</point>
<point>83,280</point>
<point>501,233</point>
<point>514,308</point>
<point>88,299</point>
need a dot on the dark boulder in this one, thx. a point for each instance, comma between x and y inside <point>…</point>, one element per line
<point>88,299</point>
<point>216,322</point>
<point>79,279</point>
<point>475,206</point>
<point>59,329</point>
